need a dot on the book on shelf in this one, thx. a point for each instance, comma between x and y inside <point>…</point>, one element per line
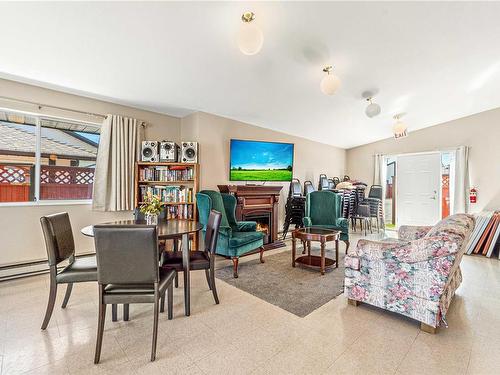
<point>181,211</point>
<point>166,173</point>
<point>167,194</point>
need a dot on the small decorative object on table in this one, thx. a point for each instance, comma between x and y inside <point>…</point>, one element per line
<point>151,208</point>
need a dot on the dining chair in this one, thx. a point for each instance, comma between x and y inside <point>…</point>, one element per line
<point>200,260</point>
<point>128,272</point>
<point>60,246</point>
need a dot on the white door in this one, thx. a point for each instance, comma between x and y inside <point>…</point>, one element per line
<point>418,185</point>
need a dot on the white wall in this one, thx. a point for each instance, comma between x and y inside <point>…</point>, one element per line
<point>214,133</point>
<point>481,132</point>
<point>21,238</point>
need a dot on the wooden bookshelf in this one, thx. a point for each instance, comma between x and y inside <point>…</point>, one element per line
<point>165,176</point>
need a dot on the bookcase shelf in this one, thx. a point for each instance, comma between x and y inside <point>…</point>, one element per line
<point>184,184</point>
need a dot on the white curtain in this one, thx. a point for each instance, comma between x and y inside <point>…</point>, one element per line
<point>119,147</point>
<point>379,170</point>
<point>459,176</point>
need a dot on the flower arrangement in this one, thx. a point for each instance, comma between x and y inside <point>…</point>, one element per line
<point>151,205</point>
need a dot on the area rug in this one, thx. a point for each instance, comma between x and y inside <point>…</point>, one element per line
<point>299,290</point>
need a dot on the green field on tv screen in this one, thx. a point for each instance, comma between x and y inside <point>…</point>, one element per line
<point>261,175</point>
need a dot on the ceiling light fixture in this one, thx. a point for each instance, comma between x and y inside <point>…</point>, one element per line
<point>373,109</point>
<point>250,38</point>
<point>399,129</point>
<point>330,83</point>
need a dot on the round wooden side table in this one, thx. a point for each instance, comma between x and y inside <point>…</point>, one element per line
<point>321,235</point>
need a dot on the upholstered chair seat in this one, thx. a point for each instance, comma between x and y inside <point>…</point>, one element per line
<point>81,270</point>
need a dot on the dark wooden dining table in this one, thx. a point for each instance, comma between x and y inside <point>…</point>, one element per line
<point>167,229</point>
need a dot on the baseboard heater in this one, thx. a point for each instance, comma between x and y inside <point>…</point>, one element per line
<point>17,271</point>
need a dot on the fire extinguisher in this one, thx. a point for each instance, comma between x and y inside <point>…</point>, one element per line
<point>473,195</point>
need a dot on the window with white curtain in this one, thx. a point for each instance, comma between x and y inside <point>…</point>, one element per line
<point>46,158</point>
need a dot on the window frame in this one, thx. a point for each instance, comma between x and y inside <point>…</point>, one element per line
<point>38,158</point>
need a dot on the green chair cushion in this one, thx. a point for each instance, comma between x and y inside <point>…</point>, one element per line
<point>243,238</point>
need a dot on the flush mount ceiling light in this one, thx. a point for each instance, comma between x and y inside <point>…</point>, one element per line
<point>373,109</point>
<point>399,129</point>
<point>250,38</point>
<point>330,83</point>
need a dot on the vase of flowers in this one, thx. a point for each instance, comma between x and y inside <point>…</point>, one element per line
<point>151,208</point>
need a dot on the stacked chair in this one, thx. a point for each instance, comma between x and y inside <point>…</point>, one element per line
<point>323,182</point>
<point>308,187</point>
<point>372,206</point>
<point>295,206</point>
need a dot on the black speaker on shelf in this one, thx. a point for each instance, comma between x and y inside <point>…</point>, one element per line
<point>149,151</point>
<point>189,152</point>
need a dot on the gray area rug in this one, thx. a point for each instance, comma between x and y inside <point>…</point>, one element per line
<point>299,290</point>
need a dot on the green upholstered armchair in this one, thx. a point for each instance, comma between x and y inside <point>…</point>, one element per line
<point>323,209</point>
<point>236,238</point>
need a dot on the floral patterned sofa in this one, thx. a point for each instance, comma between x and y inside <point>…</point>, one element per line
<point>416,275</point>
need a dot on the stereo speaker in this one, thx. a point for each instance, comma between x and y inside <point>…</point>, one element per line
<point>169,151</point>
<point>149,151</point>
<point>189,152</point>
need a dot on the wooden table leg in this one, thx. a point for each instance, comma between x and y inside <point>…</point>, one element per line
<point>322,258</point>
<point>185,266</point>
<point>309,248</point>
<point>336,253</point>
<point>293,250</point>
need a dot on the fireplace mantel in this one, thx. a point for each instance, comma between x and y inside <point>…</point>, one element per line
<point>255,200</point>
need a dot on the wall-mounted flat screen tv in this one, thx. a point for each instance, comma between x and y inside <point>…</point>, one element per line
<point>260,161</point>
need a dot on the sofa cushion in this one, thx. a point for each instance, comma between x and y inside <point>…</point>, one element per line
<point>243,238</point>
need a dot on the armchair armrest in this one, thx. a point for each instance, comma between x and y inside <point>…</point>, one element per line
<point>411,232</point>
<point>421,250</point>
<point>307,221</point>
<point>343,223</point>
<point>246,226</point>
<point>225,231</point>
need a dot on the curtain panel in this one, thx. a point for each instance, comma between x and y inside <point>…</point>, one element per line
<point>459,174</point>
<point>119,148</point>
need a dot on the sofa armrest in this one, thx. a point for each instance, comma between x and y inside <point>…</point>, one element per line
<point>411,232</point>
<point>246,226</point>
<point>421,250</point>
<point>307,221</point>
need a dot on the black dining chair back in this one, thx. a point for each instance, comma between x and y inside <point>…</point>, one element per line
<point>128,272</point>
<point>212,232</point>
<point>308,187</point>
<point>59,241</point>
<point>60,246</point>
<point>126,254</point>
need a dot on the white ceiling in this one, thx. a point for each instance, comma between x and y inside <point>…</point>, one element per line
<point>434,61</point>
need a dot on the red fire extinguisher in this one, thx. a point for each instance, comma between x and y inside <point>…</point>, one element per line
<point>473,195</point>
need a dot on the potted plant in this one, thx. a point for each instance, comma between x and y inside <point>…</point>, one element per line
<point>151,208</point>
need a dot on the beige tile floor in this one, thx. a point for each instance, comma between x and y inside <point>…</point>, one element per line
<point>245,335</point>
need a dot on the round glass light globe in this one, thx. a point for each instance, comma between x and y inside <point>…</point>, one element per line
<point>250,39</point>
<point>329,84</point>
<point>372,110</point>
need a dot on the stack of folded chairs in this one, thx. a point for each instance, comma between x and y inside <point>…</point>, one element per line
<point>295,207</point>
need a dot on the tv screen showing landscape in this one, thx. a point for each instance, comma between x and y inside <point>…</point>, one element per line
<point>260,161</point>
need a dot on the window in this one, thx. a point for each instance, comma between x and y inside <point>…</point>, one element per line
<point>46,159</point>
